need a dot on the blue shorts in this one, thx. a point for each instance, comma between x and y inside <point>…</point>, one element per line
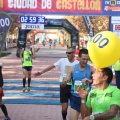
<point>75,103</point>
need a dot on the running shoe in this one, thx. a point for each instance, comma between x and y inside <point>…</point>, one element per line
<point>7,118</point>
<point>28,89</point>
<point>23,89</point>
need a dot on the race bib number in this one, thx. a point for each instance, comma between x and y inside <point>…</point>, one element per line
<point>27,58</point>
<point>76,85</point>
<point>70,82</point>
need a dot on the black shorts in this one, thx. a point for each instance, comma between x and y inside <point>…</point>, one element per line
<point>28,68</point>
<point>65,93</point>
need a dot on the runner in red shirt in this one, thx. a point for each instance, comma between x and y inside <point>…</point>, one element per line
<point>77,52</point>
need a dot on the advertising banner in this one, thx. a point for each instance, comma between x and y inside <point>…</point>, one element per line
<point>111,7</point>
<point>79,7</point>
<point>63,7</point>
<point>5,23</point>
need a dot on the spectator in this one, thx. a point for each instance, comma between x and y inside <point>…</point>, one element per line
<point>26,56</point>
<point>77,52</point>
<point>63,65</point>
<point>116,68</point>
<point>103,102</point>
<point>81,75</point>
<point>2,106</point>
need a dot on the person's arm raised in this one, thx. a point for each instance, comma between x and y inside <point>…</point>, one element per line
<point>33,53</point>
<point>37,49</point>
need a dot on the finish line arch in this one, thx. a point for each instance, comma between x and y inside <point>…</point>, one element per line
<point>33,33</point>
<point>55,24</point>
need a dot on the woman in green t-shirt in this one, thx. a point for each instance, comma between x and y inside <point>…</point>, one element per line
<point>26,55</point>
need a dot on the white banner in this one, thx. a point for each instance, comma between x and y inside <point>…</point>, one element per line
<point>32,26</point>
<point>115,19</point>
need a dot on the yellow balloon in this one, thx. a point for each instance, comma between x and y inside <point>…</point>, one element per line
<point>104,49</point>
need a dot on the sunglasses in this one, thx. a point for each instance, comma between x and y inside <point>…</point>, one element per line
<point>69,52</point>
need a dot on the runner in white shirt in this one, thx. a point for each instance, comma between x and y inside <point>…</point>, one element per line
<point>63,65</point>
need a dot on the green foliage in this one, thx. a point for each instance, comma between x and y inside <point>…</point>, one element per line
<point>4,54</point>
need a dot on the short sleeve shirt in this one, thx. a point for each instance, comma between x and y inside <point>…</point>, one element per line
<point>63,64</point>
<point>101,100</point>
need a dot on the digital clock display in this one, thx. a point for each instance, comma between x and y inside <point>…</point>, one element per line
<point>32,19</point>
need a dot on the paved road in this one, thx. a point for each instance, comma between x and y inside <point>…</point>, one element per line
<point>12,71</point>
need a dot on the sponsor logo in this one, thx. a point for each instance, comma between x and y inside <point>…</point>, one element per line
<point>112,5</point>
<point>93,95</point>
<point>108,94</point>
<point>112,2</point>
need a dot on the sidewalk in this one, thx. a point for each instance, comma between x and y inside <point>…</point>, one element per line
<point>12,71</point>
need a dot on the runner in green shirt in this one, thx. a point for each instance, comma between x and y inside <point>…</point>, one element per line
<point>26,55</point>
<point>103,102</point>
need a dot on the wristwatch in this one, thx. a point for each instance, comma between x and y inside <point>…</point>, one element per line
<point>92,117</point>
